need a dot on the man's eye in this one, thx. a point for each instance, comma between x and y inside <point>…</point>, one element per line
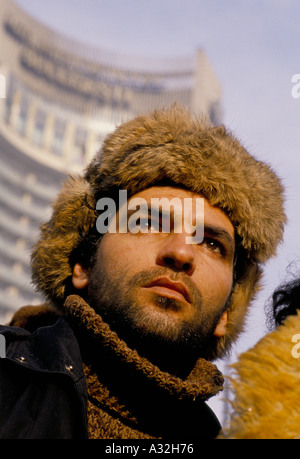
<point>213,245</point>
<point>145,225</point>
<point>152,224</point>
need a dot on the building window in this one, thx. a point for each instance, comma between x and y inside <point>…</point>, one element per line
<point>9,105</point>
<point>58,137</point>
<point>38,133</point>
<point>80,145</point>
<point>22,119</point>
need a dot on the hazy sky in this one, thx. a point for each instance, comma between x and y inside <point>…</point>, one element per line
<point>254,47</point>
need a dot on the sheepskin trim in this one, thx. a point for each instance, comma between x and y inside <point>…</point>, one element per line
<point>243,295</point>
<point>74,213</point>
<point>266,383</point>
<point>209,160</point>
<point>204,381</point>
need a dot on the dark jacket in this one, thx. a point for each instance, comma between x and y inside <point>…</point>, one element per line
<point>46,391</point>
<point>42,385</point>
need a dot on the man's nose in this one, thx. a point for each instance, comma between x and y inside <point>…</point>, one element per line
<point>176,254</point>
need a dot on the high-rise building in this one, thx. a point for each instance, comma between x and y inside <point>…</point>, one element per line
<point>58,100</point>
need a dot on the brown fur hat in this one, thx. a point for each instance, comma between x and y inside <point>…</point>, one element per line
<point>169,145</point>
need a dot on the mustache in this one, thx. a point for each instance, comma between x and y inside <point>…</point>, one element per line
<point>146,276</point>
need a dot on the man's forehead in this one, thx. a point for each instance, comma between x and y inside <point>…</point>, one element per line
<point>168,192</point>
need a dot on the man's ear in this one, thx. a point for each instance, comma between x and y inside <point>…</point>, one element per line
<point>80,277</point>
<point>221,327</point>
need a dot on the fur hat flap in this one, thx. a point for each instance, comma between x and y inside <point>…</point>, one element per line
<point>74,213</point>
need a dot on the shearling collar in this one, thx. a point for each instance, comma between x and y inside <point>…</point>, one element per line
<point>203,382</point>
<point>129,397</point>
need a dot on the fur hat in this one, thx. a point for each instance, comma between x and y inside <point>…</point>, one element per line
<point>169,145</point>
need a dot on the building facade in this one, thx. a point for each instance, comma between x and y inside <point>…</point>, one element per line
<point>58,100</point>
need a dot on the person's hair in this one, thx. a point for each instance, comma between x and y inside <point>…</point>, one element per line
<point>86,251</point>
<point>285,302</point>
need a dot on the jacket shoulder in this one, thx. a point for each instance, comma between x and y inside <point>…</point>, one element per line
<point>47,344</point>
<point>32,317</point>
<point>42,387</point>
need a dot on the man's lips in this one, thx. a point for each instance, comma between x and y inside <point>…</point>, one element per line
<point>171,289</point>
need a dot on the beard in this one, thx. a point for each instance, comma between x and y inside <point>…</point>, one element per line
<point>156,328</point>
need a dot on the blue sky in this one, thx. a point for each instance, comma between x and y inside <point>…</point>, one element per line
<point>254,47</point>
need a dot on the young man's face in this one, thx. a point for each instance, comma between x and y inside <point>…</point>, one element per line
<point>154,287</point>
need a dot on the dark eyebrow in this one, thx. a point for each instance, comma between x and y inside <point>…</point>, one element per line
<point>155,211</point>
<point>220,233</point>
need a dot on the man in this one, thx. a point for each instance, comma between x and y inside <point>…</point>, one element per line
<point>138,313</point>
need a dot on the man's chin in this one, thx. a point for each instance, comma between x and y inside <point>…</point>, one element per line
<point>160,329</point>
<point>163,341</point>
<point>153,323</point>
<point>156,324</point>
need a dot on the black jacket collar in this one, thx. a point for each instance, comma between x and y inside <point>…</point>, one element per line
<point>51,348</point>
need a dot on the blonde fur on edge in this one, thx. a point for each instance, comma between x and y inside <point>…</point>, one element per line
<point>266,383</point>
